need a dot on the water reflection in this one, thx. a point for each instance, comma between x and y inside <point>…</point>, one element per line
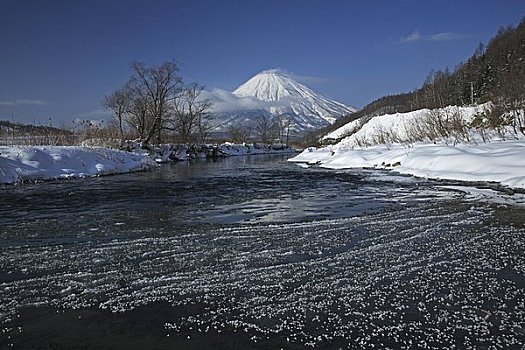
<point>238,189</point>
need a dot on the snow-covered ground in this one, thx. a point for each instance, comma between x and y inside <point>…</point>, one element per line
<point>501,161</point>
<point>31,163</point>
<point>21,163</point>
<point>398,126</point>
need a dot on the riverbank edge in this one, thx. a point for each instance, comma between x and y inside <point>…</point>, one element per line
<point>182,152</point>
<point>27,164</point>
<point>497,162</point>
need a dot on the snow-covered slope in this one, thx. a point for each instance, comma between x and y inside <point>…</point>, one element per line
<point>275,93</point>
<point>385,142</point>
<point>398,126</point>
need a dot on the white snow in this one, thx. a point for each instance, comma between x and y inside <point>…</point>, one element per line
<point>276,93</point>
<point>274,85</point>
<point>30,163</point>
<point>395,126</point>
<point>347,129</point>
<point>501,161</point>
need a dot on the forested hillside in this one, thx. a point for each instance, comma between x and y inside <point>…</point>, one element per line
<point>495,72</point>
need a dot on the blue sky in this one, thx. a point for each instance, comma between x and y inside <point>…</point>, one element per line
<point>59,58</point>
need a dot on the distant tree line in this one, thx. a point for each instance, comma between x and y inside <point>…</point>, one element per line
<point>495,72</point>
<point>154,105</point>
<point>12,133</point>
<point>268,128</point>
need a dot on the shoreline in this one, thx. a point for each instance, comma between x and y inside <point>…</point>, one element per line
<point>497,162</point>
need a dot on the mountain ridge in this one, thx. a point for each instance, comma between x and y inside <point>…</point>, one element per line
<point>276,94</point>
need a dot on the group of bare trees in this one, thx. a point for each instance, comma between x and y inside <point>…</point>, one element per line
<point>239,133</point>
<point>268,129</point>
<point>273,128</point>
<point>155,104</point>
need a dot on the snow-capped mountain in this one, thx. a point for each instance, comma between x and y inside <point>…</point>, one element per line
<point>274,93</point>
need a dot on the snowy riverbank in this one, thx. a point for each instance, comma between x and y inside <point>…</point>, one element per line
<point>19,164</point>
<point>32,163</point>
<point>179,152</point>
<point>499,161</point>
<point>390,141</point>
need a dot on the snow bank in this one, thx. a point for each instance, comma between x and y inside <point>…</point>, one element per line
<point>345,130</point>
<point>502,161</point>
<point>396,126</point>
<point>19,164</point>
<point>499,161</point>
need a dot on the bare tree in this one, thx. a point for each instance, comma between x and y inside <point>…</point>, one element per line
<point>202,114</point>
<point>513,97</point>
<point>119,102</point>
<point>190,117</point>
<point>283,124</point>
<point>138,117</point>
<point>264,125</point>
<point>154,101</point>
<point>289,126</point>
<point>434,88</point>
<point>152,89</point>
<point>239,134</point>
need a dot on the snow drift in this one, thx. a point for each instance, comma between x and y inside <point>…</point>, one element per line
<point>18,164</point>
<point>399,126</point>
<point>501,161</point>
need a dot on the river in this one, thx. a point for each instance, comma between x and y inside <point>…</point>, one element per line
<point>256,253</point>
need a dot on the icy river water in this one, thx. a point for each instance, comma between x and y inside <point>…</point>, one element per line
<point>257,253</point>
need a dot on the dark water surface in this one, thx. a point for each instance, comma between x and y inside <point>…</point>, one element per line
<point>256,253</point>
